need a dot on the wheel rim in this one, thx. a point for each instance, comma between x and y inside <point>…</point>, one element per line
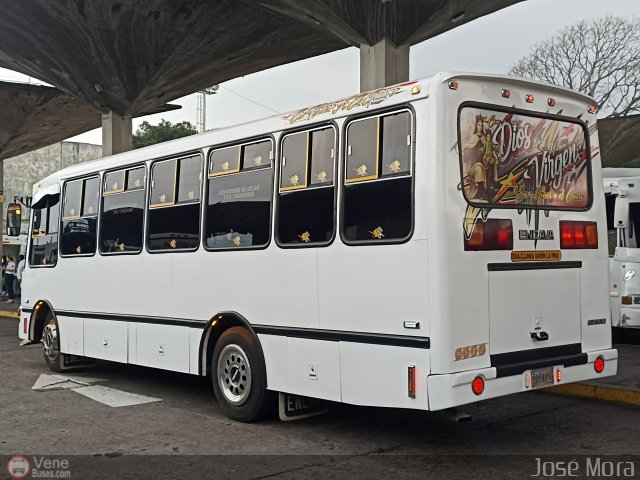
<point>234,374</point>
<point>50,341</point>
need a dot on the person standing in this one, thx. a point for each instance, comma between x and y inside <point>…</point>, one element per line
<point>9,277</point>
<point>17,285</point>
<point>4,283</point>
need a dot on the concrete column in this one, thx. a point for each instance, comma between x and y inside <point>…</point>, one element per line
<point>383,64</point>
<point>117,133</point>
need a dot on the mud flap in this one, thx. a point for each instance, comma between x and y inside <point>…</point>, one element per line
<point>296,407</point>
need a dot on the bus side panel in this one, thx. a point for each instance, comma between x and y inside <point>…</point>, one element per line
<point>378,375</point>
<point>71,334</point>
<point>374,289</point>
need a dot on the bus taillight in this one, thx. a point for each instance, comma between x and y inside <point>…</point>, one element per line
<point>492,234</point>
<point>477,386</point>
<point>578,234</point>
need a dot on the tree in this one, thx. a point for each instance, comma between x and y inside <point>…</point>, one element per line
<point>148,134</point>
<point>599,57</point>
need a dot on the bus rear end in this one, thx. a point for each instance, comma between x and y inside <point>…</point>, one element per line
<point>518,251</point>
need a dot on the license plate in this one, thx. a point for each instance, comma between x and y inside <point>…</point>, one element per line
<point>542,377</point>
<point>296,407</point>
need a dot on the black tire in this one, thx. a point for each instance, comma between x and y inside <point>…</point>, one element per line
<point>239,377</point>
<point>51,344</point>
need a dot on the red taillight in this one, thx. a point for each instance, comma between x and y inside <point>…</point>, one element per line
<point>551,102</point>
<point>25,325</point>
<point>506,93</point>
<point>492,234</point>
<point>529,98</point>
<point>477,386</point>
<point>598,365</point>
<point>578,234</point>
<point>558,375</point>
<point>453,85</point>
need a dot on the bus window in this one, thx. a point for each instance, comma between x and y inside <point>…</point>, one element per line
<point>44,234</point>
<point>174,204</point>
<point>80,216</point>
<point>378,200</point>
<point>306,200</point>
<point>238,211</point>
<point>122,217</point>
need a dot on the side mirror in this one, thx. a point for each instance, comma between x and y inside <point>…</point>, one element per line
<point>14,219</point>
<point>621,213</point>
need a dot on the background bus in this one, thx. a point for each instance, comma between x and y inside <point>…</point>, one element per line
<point>423,245</point>
<point>622,193</point>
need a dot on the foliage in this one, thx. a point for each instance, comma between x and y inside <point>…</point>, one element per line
<point>599,57</point>
<point>148,134</point>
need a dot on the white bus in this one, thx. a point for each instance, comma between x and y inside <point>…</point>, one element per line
<point>622,191</point>
<point>423,246</point>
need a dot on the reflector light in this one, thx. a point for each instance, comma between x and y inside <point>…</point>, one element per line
<point>24,325</point>
<point>506,93</point>
<point>578,234</point>
<point>492,234</point>
<point>415,90</point>
<point>453,85</point>
<point>558,375</point>
<point>598,365</point>
<point>591,109</point>
<point>477,386</point>
<point>529,98</point>
<point>551,102</point>
<point>625,300</point>
<point>411,379</point>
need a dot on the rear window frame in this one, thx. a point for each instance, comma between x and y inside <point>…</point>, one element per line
<point>530,113</point>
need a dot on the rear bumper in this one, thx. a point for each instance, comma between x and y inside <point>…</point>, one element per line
<point>454,389</point>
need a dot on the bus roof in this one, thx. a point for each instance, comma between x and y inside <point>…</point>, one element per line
<point>358,103</point>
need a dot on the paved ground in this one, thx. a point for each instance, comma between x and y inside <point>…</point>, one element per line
<point>348,442</point>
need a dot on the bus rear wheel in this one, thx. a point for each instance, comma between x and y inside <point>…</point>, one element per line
<point>239,380</point>
<point>51,344</point>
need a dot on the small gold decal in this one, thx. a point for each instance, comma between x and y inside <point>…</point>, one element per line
<point>173,244</point>
<point>377,233</point>
<point>191,195</point>
<point>394,166</point>
<point>114,186</point>
<point>44,261</point>
<point>305,237</point>
<point>362,170</point>
<point>163,197</point>
<point>294,180</point>
<point>90,210</point>
<point>470,351</point>
<point>236,241</point>
<point>257,161</point>
<point>322,176</point>
<point>78,249</point>
<point>137,184</point>
<point>121,247</point>
<point>73,212</point>
<point>225,166</point>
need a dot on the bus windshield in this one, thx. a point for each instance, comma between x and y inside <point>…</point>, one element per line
<point>514,159</point>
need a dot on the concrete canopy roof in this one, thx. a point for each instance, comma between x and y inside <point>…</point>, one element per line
<point>33,116</point>
<point>131,55</point>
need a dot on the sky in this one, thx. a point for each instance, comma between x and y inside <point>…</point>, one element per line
<point>491,44</point>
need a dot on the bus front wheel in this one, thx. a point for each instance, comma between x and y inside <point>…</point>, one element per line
<point>239,380</point>
<point>51,344</point>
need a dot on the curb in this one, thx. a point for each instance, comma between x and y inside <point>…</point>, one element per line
<point>9,314</point>
<point>597,392</point>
